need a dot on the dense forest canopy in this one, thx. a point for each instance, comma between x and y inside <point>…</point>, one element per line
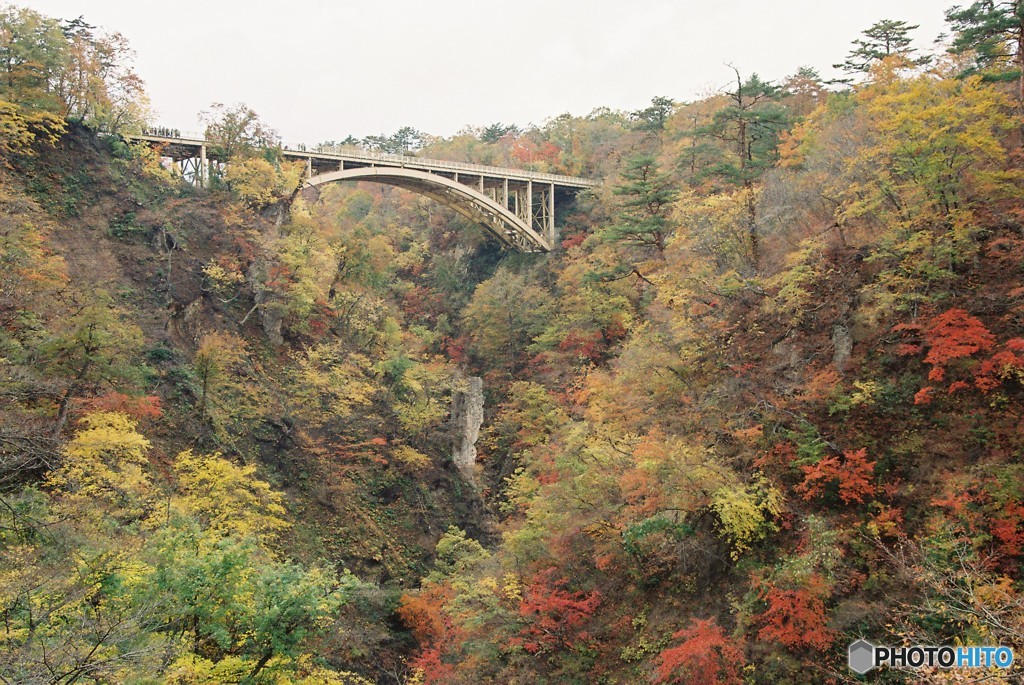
<point>762,400</point>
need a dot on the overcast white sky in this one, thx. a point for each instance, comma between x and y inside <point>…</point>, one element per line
<point>320,69</point>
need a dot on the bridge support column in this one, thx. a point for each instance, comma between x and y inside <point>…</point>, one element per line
<point>203,174</point>
<point>529,204</point>
<point>504,201</point>
<point>550,232</point>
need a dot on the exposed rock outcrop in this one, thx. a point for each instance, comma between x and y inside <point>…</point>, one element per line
<point>467,417</point>
<point>842,345</point>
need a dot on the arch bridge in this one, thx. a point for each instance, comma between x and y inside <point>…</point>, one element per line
<point>517,207</point>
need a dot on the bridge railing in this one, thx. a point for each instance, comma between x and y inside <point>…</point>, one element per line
<point>441,164</point>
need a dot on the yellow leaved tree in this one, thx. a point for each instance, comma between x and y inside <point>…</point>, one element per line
<point>104,463</point>
<point>329,382</point>
<point>260,183</point>
<point>221,372</point>
<point>745,513</point>
<point>226,498</point>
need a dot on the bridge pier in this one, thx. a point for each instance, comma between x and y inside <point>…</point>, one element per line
<point>192,168</point>
<point>550,232</point>
<point>529,205</point>
<point>204,168</point>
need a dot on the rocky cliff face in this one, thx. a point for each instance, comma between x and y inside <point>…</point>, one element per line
<point>467,417</point>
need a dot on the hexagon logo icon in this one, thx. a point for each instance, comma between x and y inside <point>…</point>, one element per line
<point>861,656</point>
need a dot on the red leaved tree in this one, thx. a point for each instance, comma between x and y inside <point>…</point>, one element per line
<point>554,617</point>
<point>1006,364</point>
<point>706,656</point>
<point>954,334</point>
<point>950,336</point>
<point>852,477</point>
<point>424,614</point>
<point>1008,530</point>
<point>795,618</point>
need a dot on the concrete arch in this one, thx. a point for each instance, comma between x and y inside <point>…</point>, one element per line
<point>469,202</point>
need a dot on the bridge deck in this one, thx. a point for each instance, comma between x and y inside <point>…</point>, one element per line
<point>335,159</point>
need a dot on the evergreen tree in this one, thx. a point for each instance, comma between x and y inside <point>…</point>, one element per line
<point>884,39</point>
<point>653,118</point>
<point>401,142</point>
<point>994,32</point>
<point>647,196</point>
<point>497,131</point>
<point>750,126</point>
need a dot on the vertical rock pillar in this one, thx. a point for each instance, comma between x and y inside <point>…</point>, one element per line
<point>467,417</point>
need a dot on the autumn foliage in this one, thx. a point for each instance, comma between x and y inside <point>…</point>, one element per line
<point>795,618</point>
<point>851,477</point>
<point>555,618</point>
<point>954,334</point>
<point>705,656</point>
<point>137,407</point>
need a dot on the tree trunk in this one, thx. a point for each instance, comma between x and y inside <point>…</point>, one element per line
<point>260,664</point>
<point>755,241</point>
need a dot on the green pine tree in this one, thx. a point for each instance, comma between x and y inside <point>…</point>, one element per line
<point>883,39</point>
<point>647,195</point>
<point>994,32</point>
<point>749,126</point>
